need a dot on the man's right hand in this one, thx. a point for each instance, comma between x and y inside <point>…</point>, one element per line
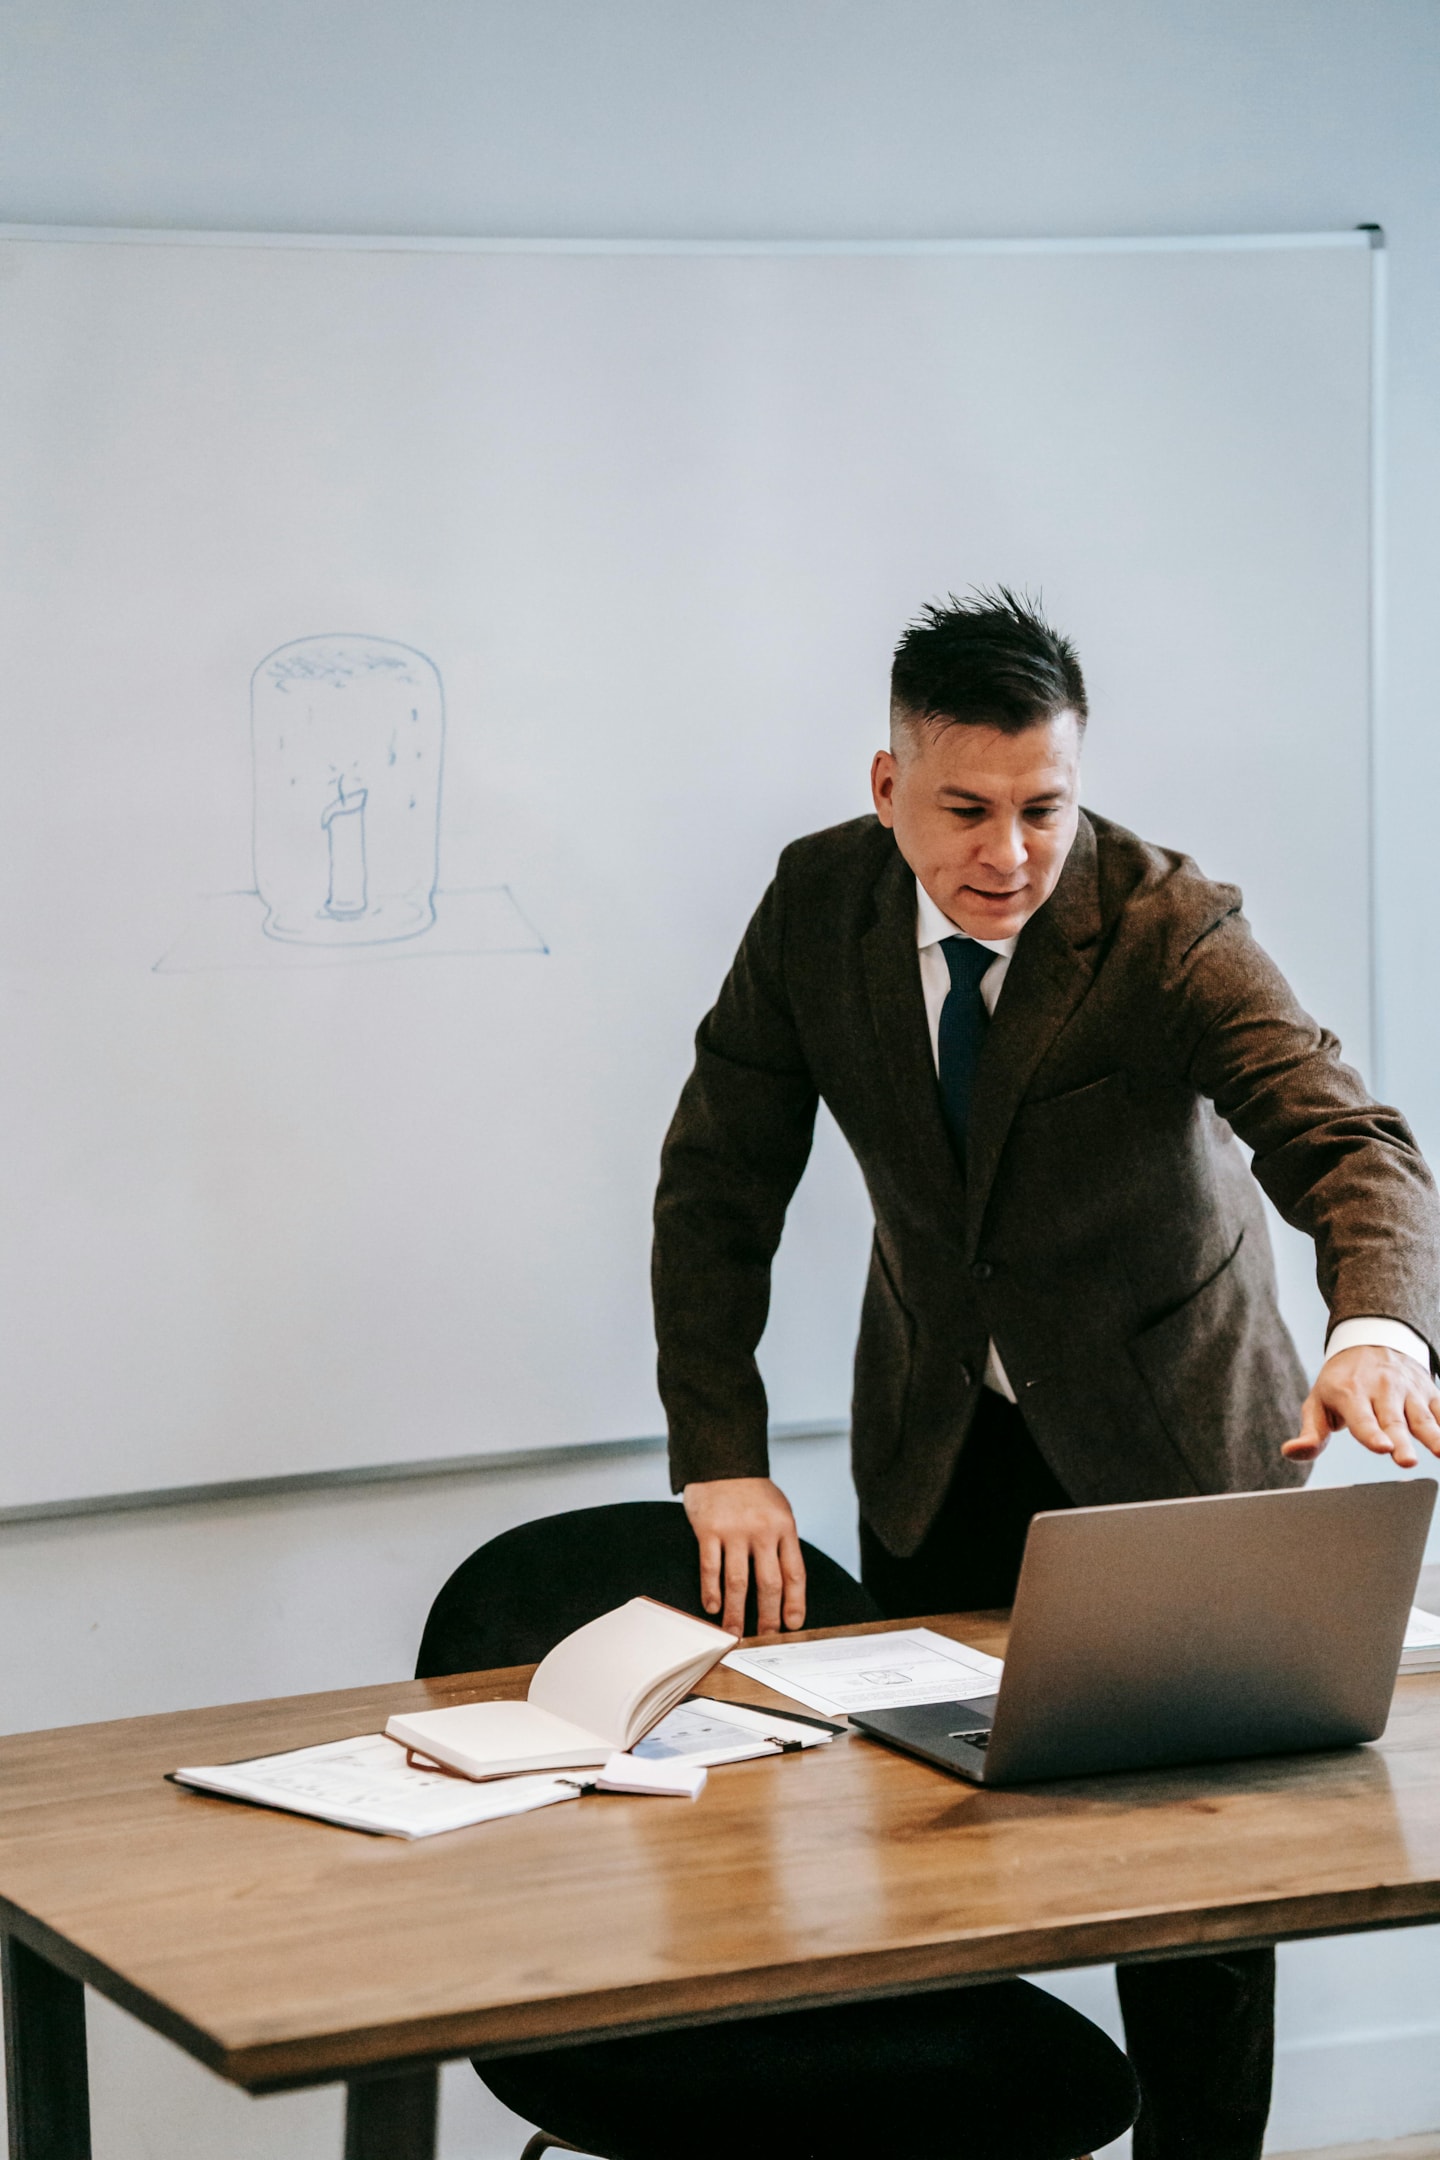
<point>742,1522</point>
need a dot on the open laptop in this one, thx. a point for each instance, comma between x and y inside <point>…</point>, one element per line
<point>1182,1631</point>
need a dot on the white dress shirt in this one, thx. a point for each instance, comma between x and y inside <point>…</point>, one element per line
<point>931,927</point>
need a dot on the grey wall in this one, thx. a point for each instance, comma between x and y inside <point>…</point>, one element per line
<point>765,118</point>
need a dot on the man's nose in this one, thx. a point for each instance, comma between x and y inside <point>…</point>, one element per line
<point>1005,846</point>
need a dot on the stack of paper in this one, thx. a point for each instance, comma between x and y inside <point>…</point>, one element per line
<point>1422,1642</point>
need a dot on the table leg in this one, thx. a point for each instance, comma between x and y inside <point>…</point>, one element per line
<point>46,2079</point>
<point>392,2118</point>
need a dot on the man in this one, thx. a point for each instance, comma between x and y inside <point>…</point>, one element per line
<point>1039,1035</point>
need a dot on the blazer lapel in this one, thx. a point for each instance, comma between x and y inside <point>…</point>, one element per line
<point>897,1004</point>
<point>1047,977</point>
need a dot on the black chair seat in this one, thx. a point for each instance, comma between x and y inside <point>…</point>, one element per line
<point>999,2072</point>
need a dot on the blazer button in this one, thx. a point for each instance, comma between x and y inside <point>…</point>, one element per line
<point>982,1271</point>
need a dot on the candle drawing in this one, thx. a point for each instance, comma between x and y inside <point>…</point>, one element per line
<point>348,737</point>
<point>344,821</point>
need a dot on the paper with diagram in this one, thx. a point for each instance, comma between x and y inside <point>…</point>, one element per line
<point>368,1783</point>
<point>872,1672</point>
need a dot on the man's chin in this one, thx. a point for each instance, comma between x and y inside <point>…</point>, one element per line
<point>991,920</point>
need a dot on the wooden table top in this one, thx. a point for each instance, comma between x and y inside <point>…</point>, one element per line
<point>281,1951</point>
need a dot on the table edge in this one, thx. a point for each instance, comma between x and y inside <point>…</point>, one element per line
<point>571,2020</point>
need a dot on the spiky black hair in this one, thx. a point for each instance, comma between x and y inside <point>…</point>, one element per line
<point>989,660</point>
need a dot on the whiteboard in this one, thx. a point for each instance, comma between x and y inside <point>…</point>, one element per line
<point>417,655</point>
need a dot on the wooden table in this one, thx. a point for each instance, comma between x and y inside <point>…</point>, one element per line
<point>282,1952</point>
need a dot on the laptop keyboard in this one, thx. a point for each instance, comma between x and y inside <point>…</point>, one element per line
<point>979,1738</point>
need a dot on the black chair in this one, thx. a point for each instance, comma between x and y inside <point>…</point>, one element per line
<point>530,1587</point>
<point>995,2072</point>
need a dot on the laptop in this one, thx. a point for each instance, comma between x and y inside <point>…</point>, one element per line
<point>1189,1631</point>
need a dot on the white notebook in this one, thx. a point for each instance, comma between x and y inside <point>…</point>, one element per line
<point>598,1692</point>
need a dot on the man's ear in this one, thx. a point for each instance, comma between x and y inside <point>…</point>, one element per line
<point>883,774</point>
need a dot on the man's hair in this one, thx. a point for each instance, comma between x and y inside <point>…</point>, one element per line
<point>989,660</point>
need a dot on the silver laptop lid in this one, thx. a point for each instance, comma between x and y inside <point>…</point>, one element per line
<point>1194,1630</point>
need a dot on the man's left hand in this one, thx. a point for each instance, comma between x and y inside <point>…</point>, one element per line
<point>1386,1399</point>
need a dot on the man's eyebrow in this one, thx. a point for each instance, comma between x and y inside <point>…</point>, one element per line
<point>949,789</point>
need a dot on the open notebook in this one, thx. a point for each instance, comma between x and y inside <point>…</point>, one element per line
<point>598,1692</point>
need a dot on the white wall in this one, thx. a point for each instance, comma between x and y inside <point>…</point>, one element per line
<point>769,118</point>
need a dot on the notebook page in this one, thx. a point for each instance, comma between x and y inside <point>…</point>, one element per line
<point>617,1674</point>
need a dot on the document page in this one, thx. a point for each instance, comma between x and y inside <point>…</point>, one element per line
<point>367,1784</point>
<point>703,1731</point>
<point>872,1672</point>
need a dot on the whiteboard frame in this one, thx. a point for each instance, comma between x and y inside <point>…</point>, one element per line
<point>1369,237</point>
<point>1356,237</point>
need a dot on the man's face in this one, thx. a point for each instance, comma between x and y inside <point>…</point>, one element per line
<point>985,820</point>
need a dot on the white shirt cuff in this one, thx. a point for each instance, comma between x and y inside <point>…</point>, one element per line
<point>1378,1334</point>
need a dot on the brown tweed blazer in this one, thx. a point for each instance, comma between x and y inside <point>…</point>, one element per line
<point>1104,1228</point>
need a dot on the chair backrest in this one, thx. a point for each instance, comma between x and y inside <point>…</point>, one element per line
<point>519,1595</point>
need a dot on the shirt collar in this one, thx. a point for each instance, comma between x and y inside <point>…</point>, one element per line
<point>931,926</point>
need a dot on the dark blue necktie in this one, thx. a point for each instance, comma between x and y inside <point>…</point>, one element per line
<point>963,1021</point>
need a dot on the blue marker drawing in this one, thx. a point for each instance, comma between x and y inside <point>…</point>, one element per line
<point>344,821</point>
<point>348,740</point>
<point>348,734</point>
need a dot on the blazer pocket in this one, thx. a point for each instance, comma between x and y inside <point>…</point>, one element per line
<point>1197,1362</point>
<point>1157,1340</point>
<point>1111,1086</point>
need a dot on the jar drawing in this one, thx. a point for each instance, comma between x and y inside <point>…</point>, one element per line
<point>348,736</point>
